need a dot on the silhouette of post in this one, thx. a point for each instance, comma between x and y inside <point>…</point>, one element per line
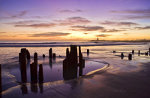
<point>33,72</point>
<point>50,53</point>
<point>43,55</point>
<point>0,80</point>
<point>139,53</point>
<point>54,55</point>
<point>130,57</point>
<point>41,73</point>
<point>70,63</point>
<point>132,51</point>
<point>122,55</point>
<point>67,52</point>
<point>28,55</point>
<point>35,58</point>
<point>22,57</point>
<point>88,51</point>
<point>146,53</point>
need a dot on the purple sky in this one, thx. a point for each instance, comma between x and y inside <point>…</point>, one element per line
<point>74,19</point>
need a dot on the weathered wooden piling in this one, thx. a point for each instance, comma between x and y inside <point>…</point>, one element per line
<point>146,53</point>
<point>67,52</point>
<point>43,55</point>
<point>122,55</point>
<point>139,52</point>
<point>88,51</point>
<point>28,54</point>
<point>130,57</point>
<point>132,51</point>
<point>54,55</point>
<point>0,80</point>
<point>50,53</point>
<point>35,58</point>
<point>33,73</point>
<point>70,64</point>
<point>22,59</point>
<point>41,73</point>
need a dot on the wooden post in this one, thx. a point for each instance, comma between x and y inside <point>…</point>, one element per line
<point>50,53</point>
<point>54,55</point>
<point>88,51</point>
<point>139,53</point>
<point>22,57</point>
<point>43,55</point>
<point>41,73</point>
<point>130,57</point>
<point>28,55</point>
<point>132,51</point>
<point>33,72</point>
<point>122,55</point>
<point>0,80</point>
<point>67,52</point>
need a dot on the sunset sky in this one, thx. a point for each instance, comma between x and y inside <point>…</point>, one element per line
<point>74,19</point>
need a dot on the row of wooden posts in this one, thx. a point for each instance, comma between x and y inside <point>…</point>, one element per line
<point>132,53</point>
<point>70,62</point>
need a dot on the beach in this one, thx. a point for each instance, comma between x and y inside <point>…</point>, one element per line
<point>105,74</point>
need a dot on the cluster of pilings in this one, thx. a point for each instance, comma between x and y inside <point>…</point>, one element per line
<point>130,56</point>
<point>72,62</point>
<point>24,56</point>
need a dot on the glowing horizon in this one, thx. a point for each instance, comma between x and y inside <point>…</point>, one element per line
<point>74,20</point>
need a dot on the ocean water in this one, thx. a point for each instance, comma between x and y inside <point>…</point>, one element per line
<point>100,56</point>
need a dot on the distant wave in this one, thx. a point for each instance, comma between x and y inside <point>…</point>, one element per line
<point>66,44</point>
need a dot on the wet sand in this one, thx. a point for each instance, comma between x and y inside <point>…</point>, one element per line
<point>123,78</point>
<point>102,84</point>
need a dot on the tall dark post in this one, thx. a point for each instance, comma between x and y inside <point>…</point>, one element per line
<point>122,55</point>
<point>139,53</point>
<point>35,58</point>
<point>0,80</point>
<point>33,72</point>
<point>50,53</point>
<point>28,55</point>
<point>88,51</point>
<point>132,51</point>
<point>67,52</point>
<point>54,55</point>
<point>130,57</point>
<point>22,57</point>
<point>43,55</point>
<point>41,73</point>
<point>70,63</point>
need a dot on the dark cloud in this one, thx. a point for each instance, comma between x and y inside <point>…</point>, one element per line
<point>6,15</point>
<point>136,17</point>
<point>40,25</point>
<point>70,11</point>
<point>143,28</point>
<point>134,14</point>
<point>112,30</point>
<point>103,35</point>
<point>136,11</point>
<point>73,21</point>
<point>119,23</point>
<point>50,34</point>
<point>94,28</point>
<point>87,28</point>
